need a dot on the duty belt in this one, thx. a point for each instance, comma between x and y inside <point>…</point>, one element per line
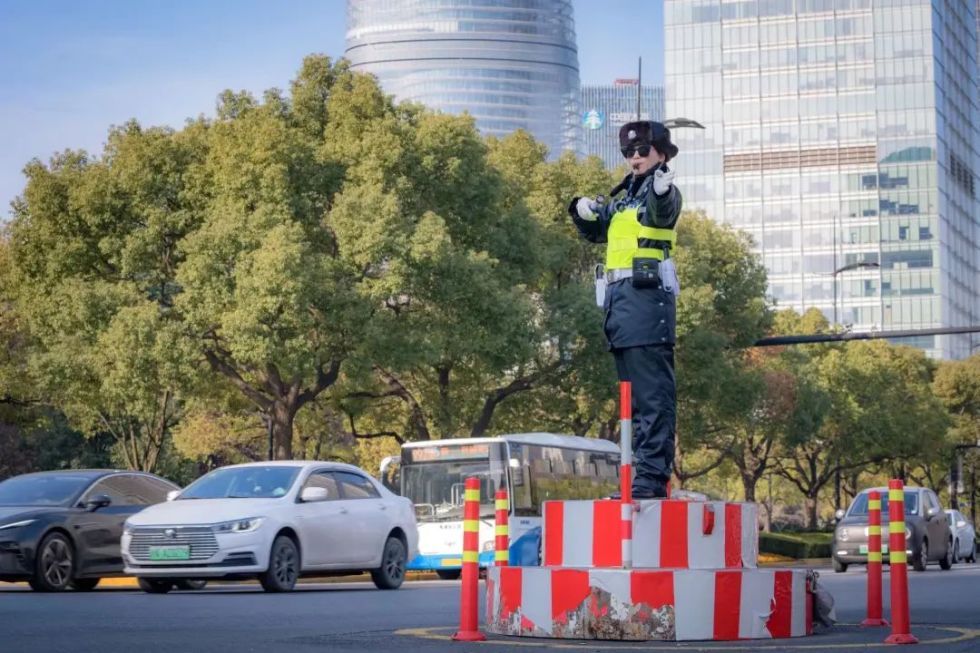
<point>618,275</point>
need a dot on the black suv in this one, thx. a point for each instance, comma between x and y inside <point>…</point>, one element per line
<point>927,534</point>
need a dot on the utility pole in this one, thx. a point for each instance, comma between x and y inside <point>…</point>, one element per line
<point>639,85</point>
<point>973,494</point>
<point>956,476</point>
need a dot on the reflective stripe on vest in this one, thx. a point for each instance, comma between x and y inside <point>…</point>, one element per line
<point>623,240</point>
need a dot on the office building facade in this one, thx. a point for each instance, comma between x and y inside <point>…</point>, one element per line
<point>606,108</point>
<point>842,134</point>
<point>511,64</point>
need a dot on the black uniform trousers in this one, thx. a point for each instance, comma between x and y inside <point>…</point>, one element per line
<point>650,371</point>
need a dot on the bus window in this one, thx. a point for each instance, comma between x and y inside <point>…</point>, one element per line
<point>550,473</point>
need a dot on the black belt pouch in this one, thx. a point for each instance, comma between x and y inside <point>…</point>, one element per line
<point>646,273</point>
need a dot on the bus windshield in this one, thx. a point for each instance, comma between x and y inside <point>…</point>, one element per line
<point>434,478</point>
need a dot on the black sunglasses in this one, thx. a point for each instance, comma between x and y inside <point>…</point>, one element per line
<point>629,150</point>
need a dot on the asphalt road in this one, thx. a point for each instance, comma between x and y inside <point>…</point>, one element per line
<point>418,617</point>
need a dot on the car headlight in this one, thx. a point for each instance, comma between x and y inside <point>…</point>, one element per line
<point>17,524</point>
<point>239,525</point>
<point>842,535</point>
<point>127,528</point>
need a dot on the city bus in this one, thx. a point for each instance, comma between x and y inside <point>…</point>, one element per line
<point>534,467</point>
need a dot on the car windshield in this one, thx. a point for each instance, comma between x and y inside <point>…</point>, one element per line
<point>42,489</point>
<point>860,506</point>
<point>258,482</point>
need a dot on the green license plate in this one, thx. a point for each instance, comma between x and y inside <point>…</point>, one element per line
<point>864,548</point>
<point>160,553</point>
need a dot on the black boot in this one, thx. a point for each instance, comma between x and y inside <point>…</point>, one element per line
<point>654,490</point>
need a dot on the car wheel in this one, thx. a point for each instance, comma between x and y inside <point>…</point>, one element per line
<point>839,567</point>
<point>391,574</point>
<point>973,556</point>
<point>155,585</point>
<point>188,585</point>
<point>449,574</point>
<point>956,552</point>
<point>84,584</point>
<point>54,565</point>
<point>946,562</point>
<point>920,560</point>
<point>283,568</point>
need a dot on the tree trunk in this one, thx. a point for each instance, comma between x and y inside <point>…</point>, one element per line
<point>748,485</point>
<point>810,512</point>
<point>282,429</point>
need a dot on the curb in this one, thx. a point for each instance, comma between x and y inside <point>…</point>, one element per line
<point>130,582</point>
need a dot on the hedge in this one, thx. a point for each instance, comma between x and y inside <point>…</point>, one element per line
<point>796,545</point>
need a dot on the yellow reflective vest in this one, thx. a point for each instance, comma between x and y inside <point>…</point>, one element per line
<point>624,239</point>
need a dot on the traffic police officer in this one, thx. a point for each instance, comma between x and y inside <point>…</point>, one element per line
<point>640,289</point>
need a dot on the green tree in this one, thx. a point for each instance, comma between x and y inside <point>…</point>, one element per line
<point>721,311</point>
<point>93,248</point>
<point>492,313</point>
<point>879,407</point>
<point>269,292</point>
<point>957,384</point>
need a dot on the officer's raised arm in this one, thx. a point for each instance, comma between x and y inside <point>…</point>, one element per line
<point>590,217</point>
<point>664,203</point>
<point>666,207</point>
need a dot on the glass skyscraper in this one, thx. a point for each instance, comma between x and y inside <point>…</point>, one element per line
<point>511,64</point>
<point>842,134</point>
<point>606,108</point>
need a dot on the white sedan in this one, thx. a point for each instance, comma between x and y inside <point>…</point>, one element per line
<point>964,537</point>
<point>274,521</point>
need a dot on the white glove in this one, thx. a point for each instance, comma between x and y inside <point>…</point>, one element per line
<point>585,207</point>
<point>662,181</point>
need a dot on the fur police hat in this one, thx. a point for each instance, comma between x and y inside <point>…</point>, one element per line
<point>647,131</point>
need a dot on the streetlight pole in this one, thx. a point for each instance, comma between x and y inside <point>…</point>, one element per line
<point>847,268</point>
<point>839,270</point>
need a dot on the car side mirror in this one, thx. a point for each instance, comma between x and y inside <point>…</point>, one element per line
<point>173,494</point>
<point>96,502</point>
<point>839,515</point>
<point>961,524</point>
<point>314,494</point>
<point>932,512</point>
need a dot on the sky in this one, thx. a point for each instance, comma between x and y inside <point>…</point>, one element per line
<point>69,69</point>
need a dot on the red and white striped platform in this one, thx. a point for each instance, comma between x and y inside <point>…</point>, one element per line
<point>666,534</point>
<point>693,576</point>
<point>647,604</point>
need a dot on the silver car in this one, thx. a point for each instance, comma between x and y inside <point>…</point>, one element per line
<point>927,533</point>
<point>964,537</point>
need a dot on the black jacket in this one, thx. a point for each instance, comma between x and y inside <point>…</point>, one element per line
<point>636,316</point>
